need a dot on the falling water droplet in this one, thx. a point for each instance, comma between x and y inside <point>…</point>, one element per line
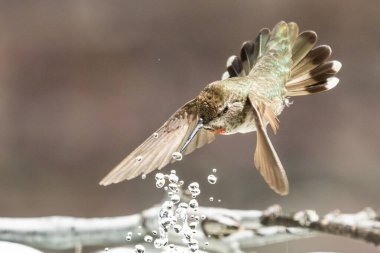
<point>194,189</point>
<point>203,217</point>
<point>159,176</point>
<point>177,228</point>
<point>158,243</point>
<point>160,183</point>
<point>139,248</point>
<point>212,179</point>
<point>193,203</point>
<point>206,243</point>
<point>193,224</point>
<point>211,198</point>
<point>148,238</point>
<point>160,180</point>
<point>219,200</point>
<point>193,245</point>
<point>214,170</point>
<point>154,232</point>
<point>175,198</point>
<point>177,156</point>
<point>143,176</point>
<point>139,158</point>
<point>173,187</point>
<point>173,178</point>
<point>155,135</point>
<point>106,249</point>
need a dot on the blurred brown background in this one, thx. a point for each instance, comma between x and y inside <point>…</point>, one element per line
<point>82,83</point>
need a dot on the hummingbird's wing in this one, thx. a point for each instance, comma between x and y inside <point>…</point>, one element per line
<point>266,159</point>
<point>156,151</point>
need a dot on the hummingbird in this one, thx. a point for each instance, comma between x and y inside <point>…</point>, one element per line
<point>253,91</point>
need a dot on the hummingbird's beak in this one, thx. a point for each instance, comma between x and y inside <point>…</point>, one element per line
<point>198,127</point>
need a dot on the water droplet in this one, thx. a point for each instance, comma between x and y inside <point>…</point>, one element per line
<point>181,213</point>
<point>155,135</point>
<point>148,238</point>
<point>175,198</point>
<point>159,176</point>
<point>183,205</point>
<point>193,224</point>
<point>219,200</point>
<point>159,243</point>
<point>177,228</point>
<point>212,179</point>
<point>193,245</point>
<point>128,238</point>
<point>139,248</point>
<point>203,217</point>
<point>197,218</point>
<point>171,246</point>
<point>181,182</point>
<point>177,156</point>
<point>154,232</point>
<point>194,189</point>
<point>211,198</point>
<point>206,243</point>
<point>139,234</point>
<point>106,249</point>
<point>143,176</point>
<point>139,158</point>
<point>173,178</point>
<point>166,188</point>
<point>160,183</point>
<point>193,203</point>
<point>173,187</point>
<point>214,170</point>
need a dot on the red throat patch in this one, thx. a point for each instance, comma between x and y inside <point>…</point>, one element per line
<point>220,130</point>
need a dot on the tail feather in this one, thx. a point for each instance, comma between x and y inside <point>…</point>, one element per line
<point>303,44</point>
<point>314,58</point>
<point>325,85</point>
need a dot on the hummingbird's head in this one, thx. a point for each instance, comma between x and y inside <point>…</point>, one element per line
<point>220,106</point>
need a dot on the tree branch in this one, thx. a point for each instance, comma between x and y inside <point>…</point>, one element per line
<point>363,225</point>
<point>224,230</point>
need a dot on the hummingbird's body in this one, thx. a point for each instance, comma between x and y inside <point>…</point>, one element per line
<point>252,93</point>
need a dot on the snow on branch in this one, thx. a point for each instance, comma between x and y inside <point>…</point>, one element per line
<point>224,230</point>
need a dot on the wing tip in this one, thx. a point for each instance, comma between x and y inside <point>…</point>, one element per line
<point>282,192</point>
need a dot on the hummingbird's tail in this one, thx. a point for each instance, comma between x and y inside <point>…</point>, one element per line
<point>308,70</point>
<point>311,71</point>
